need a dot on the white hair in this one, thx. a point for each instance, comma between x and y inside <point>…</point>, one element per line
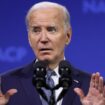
<point>46,4</point>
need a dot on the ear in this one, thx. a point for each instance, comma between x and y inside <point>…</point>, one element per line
<point>68,35</point>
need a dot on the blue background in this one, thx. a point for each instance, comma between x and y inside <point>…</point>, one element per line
<point>86,50</point>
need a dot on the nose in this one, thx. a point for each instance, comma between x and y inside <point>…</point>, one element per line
<point>44,37</point>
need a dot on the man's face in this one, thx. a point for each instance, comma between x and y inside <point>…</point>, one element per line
<point>47,35</point>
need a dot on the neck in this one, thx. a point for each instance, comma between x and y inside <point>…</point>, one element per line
<point>54,64</point>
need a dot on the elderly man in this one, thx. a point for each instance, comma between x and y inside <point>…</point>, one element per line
<point>49,31</point>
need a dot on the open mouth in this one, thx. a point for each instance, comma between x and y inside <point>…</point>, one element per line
<point>45,49</point>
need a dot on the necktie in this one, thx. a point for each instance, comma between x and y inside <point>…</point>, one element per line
<point>50,82</point>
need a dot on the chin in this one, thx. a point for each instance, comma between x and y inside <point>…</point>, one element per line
<point>45,58</point>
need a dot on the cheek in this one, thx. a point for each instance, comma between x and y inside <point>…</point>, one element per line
<point>60,44</point>
<point>33,43</point>
<point>61,41</point>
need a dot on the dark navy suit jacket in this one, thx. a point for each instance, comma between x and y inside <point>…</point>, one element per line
<point>21,80</point>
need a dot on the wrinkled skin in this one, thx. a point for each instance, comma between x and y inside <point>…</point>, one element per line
<point>4,98</point>
<point>47,35</point>
<point>96,94</point>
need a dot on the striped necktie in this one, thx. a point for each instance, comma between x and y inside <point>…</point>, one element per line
<point>50,83</point>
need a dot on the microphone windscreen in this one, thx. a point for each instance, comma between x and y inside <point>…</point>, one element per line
<point>40,68</point>
<point>64,68</point>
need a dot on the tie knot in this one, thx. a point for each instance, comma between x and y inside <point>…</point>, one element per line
<point>49,79</point>
<point>50,73</point>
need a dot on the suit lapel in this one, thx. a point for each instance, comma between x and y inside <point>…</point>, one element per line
<point>30,90</point>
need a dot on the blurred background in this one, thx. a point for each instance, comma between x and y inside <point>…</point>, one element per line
<point>86,50</point>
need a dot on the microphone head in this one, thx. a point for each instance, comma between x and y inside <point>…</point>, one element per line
<point>38,79</point>
<point>65,71</point>
<point>64,68</point>
<point>40,68</point>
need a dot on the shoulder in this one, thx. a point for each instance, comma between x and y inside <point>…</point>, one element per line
<point>14,78</point>
<point>18,71</point>
<point>80,73</point>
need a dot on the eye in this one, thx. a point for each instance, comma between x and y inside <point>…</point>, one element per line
<point>51,29</point>
<point>36,29</point>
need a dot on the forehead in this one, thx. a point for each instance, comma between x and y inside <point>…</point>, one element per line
<point>46,15</point>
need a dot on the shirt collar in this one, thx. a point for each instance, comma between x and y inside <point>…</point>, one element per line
<point>57,71</point>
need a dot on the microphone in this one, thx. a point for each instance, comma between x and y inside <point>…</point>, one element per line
<point>39,79</point>
<point>65,71</point>
<point>39,74</point>
<point>65,80</point>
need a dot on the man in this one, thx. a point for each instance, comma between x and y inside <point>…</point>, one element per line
<point>49,31</point>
